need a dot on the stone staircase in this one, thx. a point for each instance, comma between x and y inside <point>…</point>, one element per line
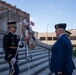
<point>38,64</point>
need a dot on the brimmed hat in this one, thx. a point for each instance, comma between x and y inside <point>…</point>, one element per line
<point>60,25</point>
<point>11,24</point>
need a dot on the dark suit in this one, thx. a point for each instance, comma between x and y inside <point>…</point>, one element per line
<point>10,44</point>
<point>61,60</point>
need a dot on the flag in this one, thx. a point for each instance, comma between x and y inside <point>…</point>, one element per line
<point>32,23</point>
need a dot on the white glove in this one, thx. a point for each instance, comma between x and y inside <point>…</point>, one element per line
<point>26,33</point>
<point>13,60</point>
<point>19,43</point>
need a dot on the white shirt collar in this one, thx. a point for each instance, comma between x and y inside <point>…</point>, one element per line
<point>61,35</point>
<point>12,33</point>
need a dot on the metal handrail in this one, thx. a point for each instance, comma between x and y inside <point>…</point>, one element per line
<point>49,50</point>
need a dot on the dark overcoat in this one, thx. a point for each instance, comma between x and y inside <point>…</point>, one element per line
<point>61,59</point>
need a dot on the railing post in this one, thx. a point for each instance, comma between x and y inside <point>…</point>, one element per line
<point>49,56</point>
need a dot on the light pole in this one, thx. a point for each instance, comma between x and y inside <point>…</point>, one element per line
<point>47,34</point>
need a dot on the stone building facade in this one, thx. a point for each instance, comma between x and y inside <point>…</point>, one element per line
<point>9,13</point>
<point>50,37</point>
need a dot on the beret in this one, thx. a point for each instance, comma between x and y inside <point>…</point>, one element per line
<point>60,25</point>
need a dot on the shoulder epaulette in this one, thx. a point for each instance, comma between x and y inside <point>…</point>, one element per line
<point>6,34</point>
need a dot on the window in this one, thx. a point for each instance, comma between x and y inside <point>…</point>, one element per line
<point>72,37</point>
<point>42,38</point>
<point>49,38</point>
<point>54,38</point>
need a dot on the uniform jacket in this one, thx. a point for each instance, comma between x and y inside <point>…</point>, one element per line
<point>8,41</point>
<point>61,55</point>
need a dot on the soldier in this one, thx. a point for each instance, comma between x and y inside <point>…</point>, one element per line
<point>10,45</point>
<point>61,60</point>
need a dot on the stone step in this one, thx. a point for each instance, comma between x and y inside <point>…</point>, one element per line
<point>35,59</point>
<point>24,63</point>
<point>35,70</point>
<point>21,57</point>
<point>38,65</point>
<point>23,53</point>
<point>45,71</point>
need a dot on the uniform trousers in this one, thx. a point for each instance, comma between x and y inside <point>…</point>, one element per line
<point>14,68</point>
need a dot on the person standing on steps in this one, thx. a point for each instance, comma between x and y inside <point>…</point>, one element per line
<point>10,45</point>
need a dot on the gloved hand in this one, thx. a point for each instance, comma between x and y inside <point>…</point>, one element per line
<point>13,60</point>
<point>20,44</point>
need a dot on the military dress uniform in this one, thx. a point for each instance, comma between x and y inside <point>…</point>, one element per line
<point>10,45</point>
<point>61,60</point>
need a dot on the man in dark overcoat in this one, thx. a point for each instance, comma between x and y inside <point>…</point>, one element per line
<point>61,58</point>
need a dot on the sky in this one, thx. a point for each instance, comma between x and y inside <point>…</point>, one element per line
<point>46,13</point>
